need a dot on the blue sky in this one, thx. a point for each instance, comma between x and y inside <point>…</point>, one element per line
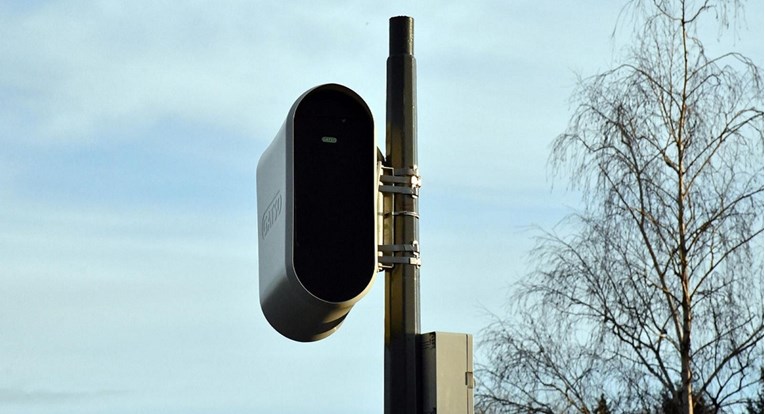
<point>130,132</point>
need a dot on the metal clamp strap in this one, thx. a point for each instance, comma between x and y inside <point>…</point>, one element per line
<point>413,191</point>
<point>390,248</point>
<point>402,181</point>
<point>389,261</point>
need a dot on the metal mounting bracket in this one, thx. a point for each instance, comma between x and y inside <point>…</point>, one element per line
<point>387,262</point>
<point>400,181</point>
<point>394,182</point>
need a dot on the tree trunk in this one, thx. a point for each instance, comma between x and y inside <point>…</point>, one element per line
<point>685,337</point>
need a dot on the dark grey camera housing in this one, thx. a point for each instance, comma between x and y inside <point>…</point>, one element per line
<point>317,192</point>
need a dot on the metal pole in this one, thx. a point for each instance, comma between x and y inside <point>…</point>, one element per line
<point>402,283</point>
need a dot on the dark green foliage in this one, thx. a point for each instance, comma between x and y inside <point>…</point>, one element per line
<point>602,407</point>
<point>671,404</point>
<point>755,406</point>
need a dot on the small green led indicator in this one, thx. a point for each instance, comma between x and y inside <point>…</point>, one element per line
<point>329,140</point>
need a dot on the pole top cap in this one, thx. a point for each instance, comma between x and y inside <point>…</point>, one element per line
<point>401,35</point>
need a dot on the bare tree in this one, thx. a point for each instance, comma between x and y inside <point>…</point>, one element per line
<point>657,290</point>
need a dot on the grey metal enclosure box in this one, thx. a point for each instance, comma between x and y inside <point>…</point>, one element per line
<point>447,373</point>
